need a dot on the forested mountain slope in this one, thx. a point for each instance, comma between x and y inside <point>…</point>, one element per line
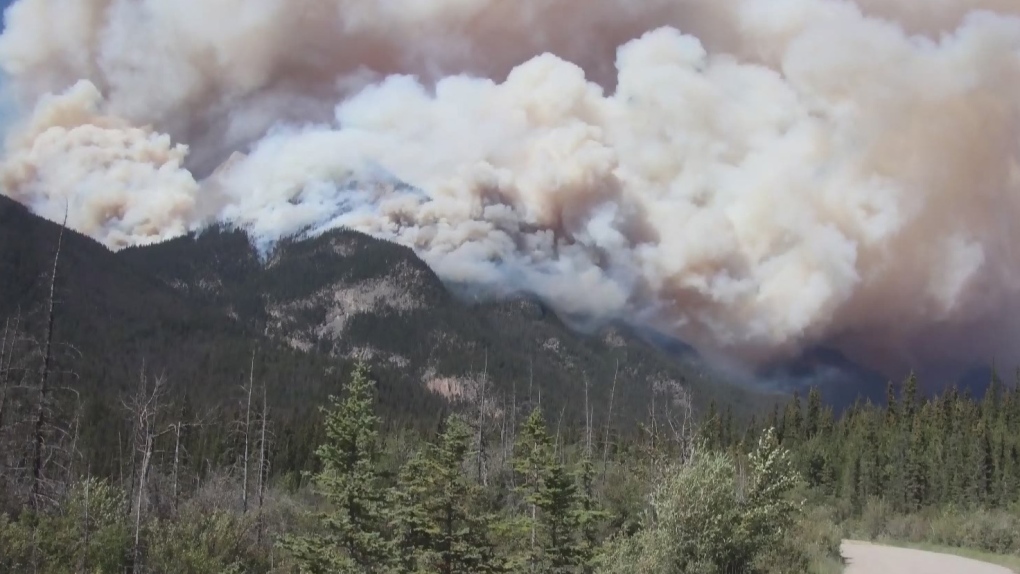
<point>196,308</point>
<point>351,296</point>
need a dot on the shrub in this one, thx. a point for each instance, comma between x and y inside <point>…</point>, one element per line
<point>202,542</point>
<point>59,542</point>
<point>705,517</point>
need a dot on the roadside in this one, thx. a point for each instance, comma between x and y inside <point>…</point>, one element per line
<point>867,557</point>
<point>1008,560</point>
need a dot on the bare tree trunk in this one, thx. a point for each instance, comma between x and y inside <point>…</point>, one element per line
<point>481,420</point>
<point>513,434</point>
<point>44,373</point>
<point>587,419</point>
<point>559,423</point>
<point>142,476</point>
<point>146,410</point>
<point>609,423</point>
<point>263,460</point>
<point>531,378</point>
<point>6,361</point>
<point>3,371</point>
<point>84,565</point>
<point>120,459</point>
<point>177,463</point>
<point>247,436</point>
<point>73,452</point>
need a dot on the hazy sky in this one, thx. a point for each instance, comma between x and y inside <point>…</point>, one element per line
<point>753,176</point>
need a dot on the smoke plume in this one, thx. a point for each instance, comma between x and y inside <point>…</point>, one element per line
<point>755,177</point>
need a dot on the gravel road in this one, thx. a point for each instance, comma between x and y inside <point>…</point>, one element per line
<point>867,558</point>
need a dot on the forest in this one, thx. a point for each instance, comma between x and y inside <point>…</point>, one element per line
<point>493,491</point>
<point>153,477</point>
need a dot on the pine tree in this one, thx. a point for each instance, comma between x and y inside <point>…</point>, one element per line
<point>353,537</point>
<point>854,485</point>
<point>993,396</point>
<point>891,412</point>
<point>812,422</point>
<point>436,527</point>
<point>909,397</point>
<point>986,465</point>
<point>916,473</point>
<point>589,515</point>
<point>793,419</point>
<point>554,503</point>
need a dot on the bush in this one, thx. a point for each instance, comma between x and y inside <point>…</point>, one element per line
<point>996,531</point>
<point>57,541</point>
<point>202,542</point>
<point>705,517</point>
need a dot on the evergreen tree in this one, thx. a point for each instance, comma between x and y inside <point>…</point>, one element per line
<point>986,465</point>
<point>551,493</point>
<point>589,515</point>
<point>793,419</point>
<point>812,422</point>
<point>437,528</point>
<point>916,476</point>
<point>993,395</point>
<point>909,396</point>
<point>890,405</point>
<point>353,537</point>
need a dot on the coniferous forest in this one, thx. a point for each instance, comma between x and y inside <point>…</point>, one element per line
<point>150,478</point>
<point>488,491</point>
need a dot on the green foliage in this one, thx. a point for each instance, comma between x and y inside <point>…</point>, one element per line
<point>705,518</point>
<point>435,526</point>
<point>203,542</point>
<point>554,523</point>
<point>353,537</point>
<point>88,533</point>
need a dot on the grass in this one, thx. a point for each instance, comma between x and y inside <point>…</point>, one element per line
<point>1010,561</point>
<point>826,565</point>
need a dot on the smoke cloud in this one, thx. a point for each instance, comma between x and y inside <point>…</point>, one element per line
<point>755,177</point>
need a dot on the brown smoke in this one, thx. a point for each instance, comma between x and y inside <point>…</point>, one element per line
<point>754,176</point>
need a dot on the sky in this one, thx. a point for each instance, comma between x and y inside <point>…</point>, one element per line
<point>754,177</point>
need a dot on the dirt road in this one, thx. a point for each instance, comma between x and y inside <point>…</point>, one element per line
<point>867,558</point>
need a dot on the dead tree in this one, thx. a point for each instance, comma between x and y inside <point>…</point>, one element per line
<point>265,435</point>
<point>83,565</point>
<point>247,435</point>
<point>609,423</point>
<point>7,352</point>
<point>39,424</point>
<point>589,415</point>
<point>480,436</point>
<point>178,428</point>
<point>146,409</point>
<point>9,335</point>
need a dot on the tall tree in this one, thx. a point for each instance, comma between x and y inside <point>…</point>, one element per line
<point>438,528</point>
<point>354,537</point>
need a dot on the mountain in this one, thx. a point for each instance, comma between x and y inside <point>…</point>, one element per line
<point>196,308</point>
<point>348,295</point>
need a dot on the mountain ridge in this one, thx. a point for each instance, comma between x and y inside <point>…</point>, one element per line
<point>197,307</point>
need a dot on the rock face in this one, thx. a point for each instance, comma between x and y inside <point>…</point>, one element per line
<point>195,307</point>
<point>351,296</point>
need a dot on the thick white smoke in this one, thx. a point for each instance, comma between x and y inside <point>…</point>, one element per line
<point>754,176</point>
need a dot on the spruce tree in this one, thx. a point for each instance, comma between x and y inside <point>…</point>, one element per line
<point>794,420</point>
<point>909,397</point>
<point>589,515</point>
<point>553,500</point>
<point>353,531</point>
<point>814,413</point>
<point>437,528</point>
<point>892,416</point>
